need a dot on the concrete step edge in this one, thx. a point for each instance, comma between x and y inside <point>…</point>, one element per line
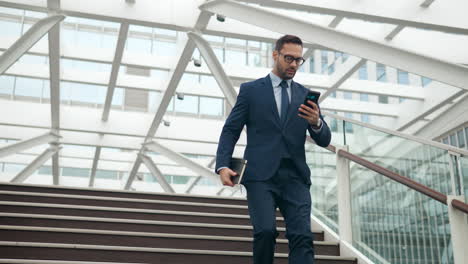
<point>123,209</point>
<point>118,199</point>
<point>143,234</point>
<point>154,250</point>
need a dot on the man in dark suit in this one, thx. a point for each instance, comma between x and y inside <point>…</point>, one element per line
<point>277,175</point>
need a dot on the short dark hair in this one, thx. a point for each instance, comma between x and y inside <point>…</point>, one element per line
<point>287,39</point>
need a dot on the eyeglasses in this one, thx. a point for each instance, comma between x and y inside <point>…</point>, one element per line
<point>289,59</point>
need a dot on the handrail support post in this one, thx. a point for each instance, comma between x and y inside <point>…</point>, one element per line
<point>458,230</point>
<point>344,196</point>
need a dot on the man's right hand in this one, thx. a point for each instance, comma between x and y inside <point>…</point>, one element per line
<point>225,175</point>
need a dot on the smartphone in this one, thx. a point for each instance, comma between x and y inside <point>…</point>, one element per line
<point>312,96</point>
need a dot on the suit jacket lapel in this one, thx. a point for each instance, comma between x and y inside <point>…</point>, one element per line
<point>296,100</point>
<point>270,97</point>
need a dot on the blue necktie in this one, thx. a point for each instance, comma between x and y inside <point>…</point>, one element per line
<point>284,100</point>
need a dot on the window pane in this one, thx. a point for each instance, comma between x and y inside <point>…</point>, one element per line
<point>188,105</point>
<point>106,174</point>
<point>138,45</point>
<point>236,57</point>
<point>10,29</point>
<point>461,139</point>
<point>164,48</point>
<point>75,172</point>
<point>117,99</point>
<point>28,87</point>
<point>365,118</point>
<point>211,106</point>
<point>154,99</point>
<point>88,39</point>
<point>312,64</point>
<point>381,73</point>
<point>6,84</point>
<point>425,81</point>
<point>466,135</point>
<point>240,42</point>
<point>255,59</point>
<point>348,95</point>
<point>383,99</point>
<point>363,72</point>
<point>403,77</point>
<point>453,140</point>
<point>364,97</point>
<point>324,60</point>
<point>13,167</point>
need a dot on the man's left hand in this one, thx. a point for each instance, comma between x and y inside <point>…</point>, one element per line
<point>311,114</point>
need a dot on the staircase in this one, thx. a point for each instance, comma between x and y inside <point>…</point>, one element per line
<point>43,224</point>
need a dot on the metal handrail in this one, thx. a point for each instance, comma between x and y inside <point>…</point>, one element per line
<point>438,196</point>
<point>399,134</point>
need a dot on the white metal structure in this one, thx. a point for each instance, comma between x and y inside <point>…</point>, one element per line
<point>111,72</point>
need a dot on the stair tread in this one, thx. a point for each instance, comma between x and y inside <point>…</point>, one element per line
<point>46,261</point>
<point>119,199</point>
<point>155,250</point>
<point>97,190</point>
<point>145,234</point>
<point>124,209</point>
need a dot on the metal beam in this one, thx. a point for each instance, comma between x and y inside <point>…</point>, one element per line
<point>427,3</point>
<point>366,10</point>
<point>123,33</point>
<point>410,112</point>
<point>133,173</point>
<point>394,32</point>
<point>92,176</point>
<point>309,52</point>
<point>27,144</point>
<point>25,42</point>
<point>433,68</point>
<point>342,73</point>
<point>54,66</point>
<point>38,162</point>
<point>157,174</point>
<point>55,169</point>
<point>176,75</point>
<point>192,183</point>
<point>449,119</point>
<point>336,21</point>
<point>181,159</point>
<point>215,67</point>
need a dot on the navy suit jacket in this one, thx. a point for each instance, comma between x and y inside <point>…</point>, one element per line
<point>268,140</point>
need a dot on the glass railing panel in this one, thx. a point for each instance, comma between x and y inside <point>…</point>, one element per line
<point>395,224</point>
<point>322,164</point>
<point>425,164</point>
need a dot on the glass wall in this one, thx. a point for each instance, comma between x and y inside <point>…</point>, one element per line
<point>391,222</point>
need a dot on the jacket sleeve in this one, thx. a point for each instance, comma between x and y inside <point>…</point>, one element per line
<point>323,137</point>
<point>232,129</point>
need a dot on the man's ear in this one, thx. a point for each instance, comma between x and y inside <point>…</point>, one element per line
<point>275,55</point>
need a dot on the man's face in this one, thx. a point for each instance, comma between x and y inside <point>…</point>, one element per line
<point>282,68</point>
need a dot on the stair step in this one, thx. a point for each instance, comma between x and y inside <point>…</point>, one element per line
<point>42,261</point>
<point>81,252</point>
<point>144,239</point>
<point>74,199</point>
<point>126,213</point>
<point>122,194</point>
<point>134,225</point>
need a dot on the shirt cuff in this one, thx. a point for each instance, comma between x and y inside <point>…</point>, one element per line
<point>220,168</point>
<point>317,130</point>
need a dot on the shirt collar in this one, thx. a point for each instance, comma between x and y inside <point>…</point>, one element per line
<point>275,80</point>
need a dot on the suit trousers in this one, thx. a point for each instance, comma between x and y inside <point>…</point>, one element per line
<point>289,192</point>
